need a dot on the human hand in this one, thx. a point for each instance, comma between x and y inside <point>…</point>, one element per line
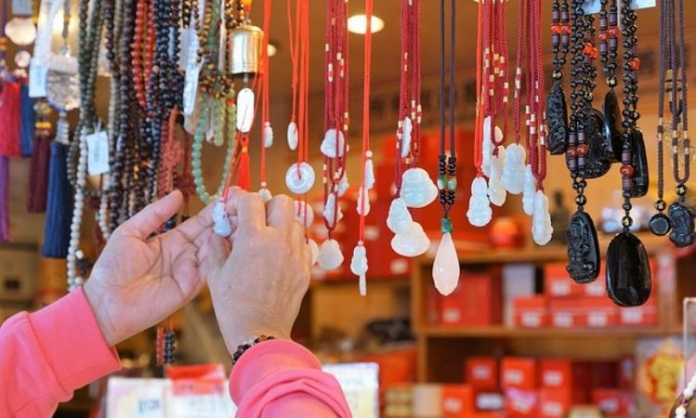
<point>258,286</point>
<point>139,279</point>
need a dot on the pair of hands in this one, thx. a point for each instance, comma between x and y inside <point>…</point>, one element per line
<point>257,279</point>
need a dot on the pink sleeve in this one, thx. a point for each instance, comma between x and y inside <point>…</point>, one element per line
<point>280,378</point>
<point>46,355</point>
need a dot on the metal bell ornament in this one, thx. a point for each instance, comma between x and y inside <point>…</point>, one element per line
<point>246,43</point>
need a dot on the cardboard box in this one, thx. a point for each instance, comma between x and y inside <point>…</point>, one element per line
<point>489,401</point>
<point>518,373</point>
<point>482,373</point>
<point>457,401</point>
<point>644,315</point>
<point>583,312</point>
<point>565,313</point>
<point>557,282</point>
<point>531,312</point>
<point>554,403</point>
<point>521,403</point>
<point>475,302</point>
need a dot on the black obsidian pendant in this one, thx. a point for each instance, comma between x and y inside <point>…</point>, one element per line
<point>597,162</point>
<point>628,271</point>
<point>612,129</point>
<point>557,119</point>
<point>641,175</point>
<point>660,224</point>
<point>583,248</point>
<point>682,219</point>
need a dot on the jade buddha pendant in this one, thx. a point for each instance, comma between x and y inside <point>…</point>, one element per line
<point>583,248</point>
<point>628,271</point>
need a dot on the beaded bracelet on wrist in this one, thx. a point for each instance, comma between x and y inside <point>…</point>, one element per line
<point>242,348</point>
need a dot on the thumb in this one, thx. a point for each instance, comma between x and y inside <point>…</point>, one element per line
<point>153,216</point>
<point>212,254</point>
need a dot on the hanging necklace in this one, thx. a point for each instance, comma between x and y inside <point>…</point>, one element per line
<point>266,128</point>
<point>673,80</point>
<point>628,268</point>
<point>479,212</point>
<point>334,146</point>
<point>414,188</point>
<point>583,246</point>
<point>446,265</point>
<point>556,109</point>
<point>608,47</point>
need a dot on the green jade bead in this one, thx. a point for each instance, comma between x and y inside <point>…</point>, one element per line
<point>446,225</point>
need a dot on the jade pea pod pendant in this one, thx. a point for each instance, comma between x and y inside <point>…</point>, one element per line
<point>583,248</point>
<point>682,218</point>
<point>557,119</point>
<point>613,131</point>
<point>628,271</point>
<point>597,162</point>
<point>641,175</point>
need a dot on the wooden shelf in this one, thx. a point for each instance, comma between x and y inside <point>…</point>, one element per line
<point>507,332</point>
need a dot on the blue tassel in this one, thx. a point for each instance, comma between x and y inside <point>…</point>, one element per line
<point>28,121</point>
<point>59,205</point>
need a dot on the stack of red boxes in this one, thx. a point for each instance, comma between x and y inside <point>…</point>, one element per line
<point>567,304</point>
<point>476,302</point>
<point>519,381</point>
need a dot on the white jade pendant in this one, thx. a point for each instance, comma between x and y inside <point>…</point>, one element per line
<point>363,204</point>
<point>496,191</point>
<point>21,30</point>
<point>267,135</point>
<point>304,213</point>
<point>542,230</point>
<point>292,136</point>
<point>399,219</point>
<point>313,250</point>
<point>513,168</point>
<point>358,266</point>
<point>221,222</point>
<point>265,194</point>
<point>486,147</point>
<point>528,191</point>
<point>369,172</point>
<point>300,178</point>
<point>343,185</point>
<point>245,109</point>
<point>330,255</point>
<point>333,145</point>
<point>412,242</point>
<point>446,266</point>
<point>417,189</point>
<point>406,136</point>
<point>332,212</point>
<point>479,213</point>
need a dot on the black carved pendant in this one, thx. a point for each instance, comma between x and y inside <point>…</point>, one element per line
<point>612,129</point>
<point>583,248</point>
<point>597,162</point>
<point>660,224</point>
<point>557,119</point>
<point>628,271</point>
<point>641,175</point>
<point>682,218</point>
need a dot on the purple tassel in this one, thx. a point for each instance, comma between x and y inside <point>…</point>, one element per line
<point>4,199</point>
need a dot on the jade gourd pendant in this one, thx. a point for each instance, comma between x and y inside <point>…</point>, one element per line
<point>583,248</point>
<point>628,271</point>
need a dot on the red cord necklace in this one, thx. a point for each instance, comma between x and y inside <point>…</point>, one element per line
<point>265,75</point>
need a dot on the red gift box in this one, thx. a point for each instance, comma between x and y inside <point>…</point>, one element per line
<point>557,282</point>
<point>531,312</point>
<point>518,373</point>
<point>645,315</point>
<point>457,400</point>
<point>605,374</point>
<point>475,302</point>
<point>565,313</point>
<point>612,402</point>
<point>554,403</point>
<point>627,373</point>
<point>599,312</point>
<point>482,373</point>
<point>556,373</point>
<point>521,403</point>
<point>489,401</point>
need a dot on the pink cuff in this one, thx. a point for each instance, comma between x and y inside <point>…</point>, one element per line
<point>72,343</point>
<point>267,358</point>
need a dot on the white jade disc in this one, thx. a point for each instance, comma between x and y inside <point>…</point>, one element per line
<point>300,178</point>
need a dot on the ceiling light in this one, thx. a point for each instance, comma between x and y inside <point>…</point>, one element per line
<point>358,24</point>
<point>272,50</point>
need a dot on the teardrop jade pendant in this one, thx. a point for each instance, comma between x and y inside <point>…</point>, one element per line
<point>628,271</point>
<point>446,266</point>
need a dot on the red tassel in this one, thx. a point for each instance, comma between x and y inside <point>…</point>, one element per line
<point>243,170</point>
